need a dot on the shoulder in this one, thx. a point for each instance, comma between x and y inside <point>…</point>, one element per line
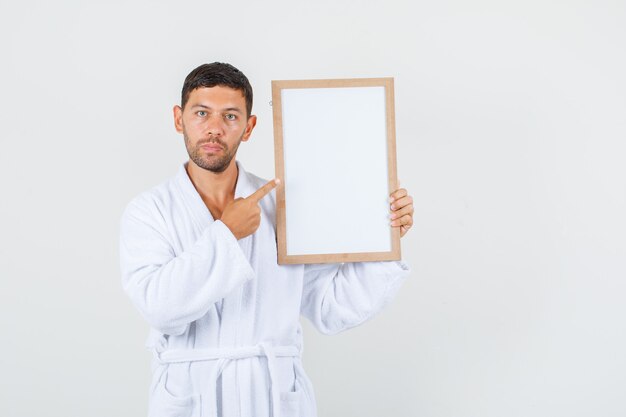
<point>150,203</point>
<point>256,181</point>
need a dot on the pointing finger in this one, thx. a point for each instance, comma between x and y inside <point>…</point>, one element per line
<point>264,190</point>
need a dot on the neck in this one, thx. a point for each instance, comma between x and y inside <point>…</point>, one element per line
<point>216,188</point>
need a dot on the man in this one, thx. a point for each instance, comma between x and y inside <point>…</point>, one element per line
<point>198,259</point>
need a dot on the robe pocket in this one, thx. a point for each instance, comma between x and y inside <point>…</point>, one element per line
<point>290,404</point>
<point>165,404</point>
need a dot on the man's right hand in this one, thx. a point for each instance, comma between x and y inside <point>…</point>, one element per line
<point>243,215</point>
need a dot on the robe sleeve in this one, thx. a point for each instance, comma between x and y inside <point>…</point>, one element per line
<point>336,297</point>
<point>171,291</point>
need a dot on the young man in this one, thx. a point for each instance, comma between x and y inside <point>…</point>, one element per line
<point>198,259</point>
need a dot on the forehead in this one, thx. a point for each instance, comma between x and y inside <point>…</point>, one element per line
<point>217,96</point>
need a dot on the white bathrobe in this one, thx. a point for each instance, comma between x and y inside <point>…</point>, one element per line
<point>224,316</point>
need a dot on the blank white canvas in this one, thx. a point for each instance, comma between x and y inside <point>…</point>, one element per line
<point>336,175</point>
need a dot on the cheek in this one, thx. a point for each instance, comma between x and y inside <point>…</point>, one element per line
<point>196,123</point>
<point>195,129</point>
<point>235,128</point>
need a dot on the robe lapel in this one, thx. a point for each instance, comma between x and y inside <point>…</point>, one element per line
<point>200,213</point>
<point>243,189</point>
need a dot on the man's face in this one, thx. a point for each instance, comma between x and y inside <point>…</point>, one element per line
<point>213,123</point>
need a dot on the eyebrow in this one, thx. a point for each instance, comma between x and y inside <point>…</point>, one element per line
<point>231,109</point>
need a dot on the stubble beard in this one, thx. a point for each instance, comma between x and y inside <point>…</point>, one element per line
<point>211,163</point>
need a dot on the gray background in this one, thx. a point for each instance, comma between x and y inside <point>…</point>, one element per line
<point>510,125</point>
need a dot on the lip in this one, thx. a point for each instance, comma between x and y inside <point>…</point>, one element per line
<point>211,147</point>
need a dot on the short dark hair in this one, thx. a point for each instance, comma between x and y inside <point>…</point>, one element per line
<point>217,73</point>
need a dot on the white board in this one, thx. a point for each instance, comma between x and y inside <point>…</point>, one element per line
<point>335,152</point>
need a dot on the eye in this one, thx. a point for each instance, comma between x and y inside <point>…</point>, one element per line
<point>201,113</point>
<point>230,117</point>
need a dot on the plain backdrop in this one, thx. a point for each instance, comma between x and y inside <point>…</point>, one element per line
<point>511,128</point>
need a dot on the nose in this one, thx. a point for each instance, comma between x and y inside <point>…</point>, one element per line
<point>214,125</point>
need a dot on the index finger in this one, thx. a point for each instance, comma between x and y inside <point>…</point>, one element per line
<point>264,190</point>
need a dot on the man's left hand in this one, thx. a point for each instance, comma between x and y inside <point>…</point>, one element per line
<point>401,210</point>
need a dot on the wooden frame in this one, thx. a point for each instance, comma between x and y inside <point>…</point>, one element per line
<point>309,115</point>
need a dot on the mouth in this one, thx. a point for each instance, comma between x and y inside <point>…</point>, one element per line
<point>211,147</point>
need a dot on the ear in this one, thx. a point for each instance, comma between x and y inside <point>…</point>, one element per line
<point>249,127</point>
<point>178,118</point>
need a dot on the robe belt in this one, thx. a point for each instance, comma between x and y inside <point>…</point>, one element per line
<point>225,355</point>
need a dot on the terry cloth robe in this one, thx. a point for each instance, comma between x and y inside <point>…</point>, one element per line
<point>223,315</point>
